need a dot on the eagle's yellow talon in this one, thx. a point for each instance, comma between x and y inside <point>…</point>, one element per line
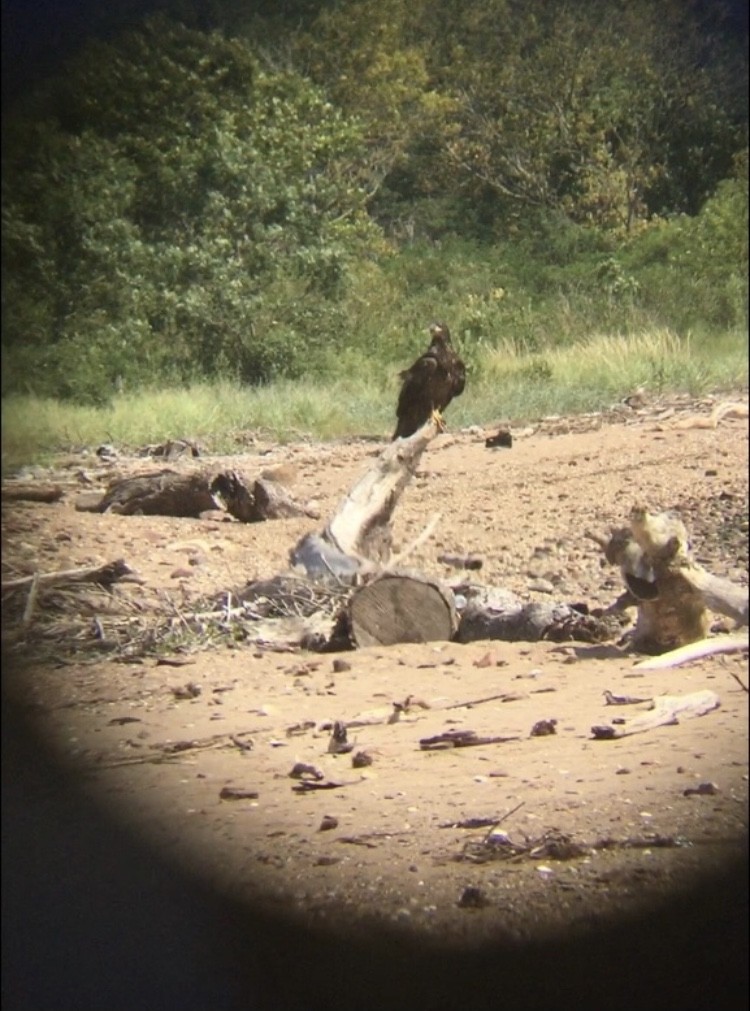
<point>438,419</point>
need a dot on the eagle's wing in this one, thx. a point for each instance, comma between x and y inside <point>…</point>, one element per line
<point>458,374</point>
<point>415,400</point>
<point>418,380</point>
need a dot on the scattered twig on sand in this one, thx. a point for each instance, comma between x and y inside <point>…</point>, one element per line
<point>502,697</point>
<point>622,700</point>
<point>306,785</point>
<point>28,611</point>
<point>739,681</point>
<point>172,750</point>
<point>459,739</point>
<point>418,541</point>
<point>104,575</point>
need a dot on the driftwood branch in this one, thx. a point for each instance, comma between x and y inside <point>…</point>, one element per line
<point>357,539</point>
<point>695,651</point>
<point>665,711</point>
<point>103,575</point>
<point>360,527</point>
<point>719,594</point>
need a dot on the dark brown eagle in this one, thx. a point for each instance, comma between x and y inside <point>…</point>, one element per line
<point>435,378</point>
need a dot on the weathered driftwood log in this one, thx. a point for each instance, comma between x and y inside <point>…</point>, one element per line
<point>169,493</point>
<point>671,591</point>
<point>360,530</point>
<point>159,493</point>
<point>322,561</point>
<point>252,503</point>
<point>401,607</point>
<point>494,613</point>
<point>15,491</point>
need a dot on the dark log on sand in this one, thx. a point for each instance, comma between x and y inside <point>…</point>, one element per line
<point>168,493</point>
<point>160,493</point>
<point>18,491</point>
<point>252,503</point>
<point>400,607</point>
<point>172,449</point>
<point>499,614</point>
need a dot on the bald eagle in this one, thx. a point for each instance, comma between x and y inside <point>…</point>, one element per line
<point>435,378</point>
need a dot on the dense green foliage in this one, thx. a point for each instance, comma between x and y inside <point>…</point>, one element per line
<point>182,213</point>
<point>299,193</point>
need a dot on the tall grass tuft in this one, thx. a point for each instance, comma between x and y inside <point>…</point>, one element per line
<point>505,381</point>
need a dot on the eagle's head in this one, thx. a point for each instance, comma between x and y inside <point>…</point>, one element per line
<point>440,332</point>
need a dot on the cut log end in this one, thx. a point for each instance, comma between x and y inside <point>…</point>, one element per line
<point>399,608</point>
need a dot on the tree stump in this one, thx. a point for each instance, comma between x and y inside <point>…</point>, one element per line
<point>671,591</point>
<point>400,607</point>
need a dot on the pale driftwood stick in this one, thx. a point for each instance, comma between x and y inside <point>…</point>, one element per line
<point>695,651</point>
<point>665,711</point>
<point>417,542</point>
<point>15,492</point>
<point>113,572</point>
<point>739,681</point>
<point>28,611</point>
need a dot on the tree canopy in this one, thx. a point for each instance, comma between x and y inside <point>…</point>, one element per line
<point>194,196</point>
<point>175,211</point>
